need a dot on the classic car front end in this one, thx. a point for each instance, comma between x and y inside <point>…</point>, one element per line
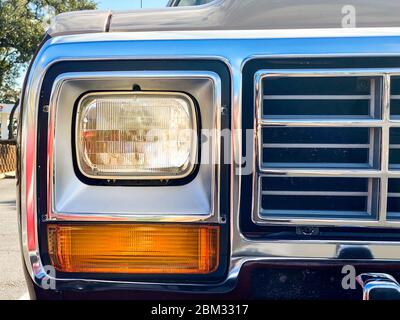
<point>231,150</point>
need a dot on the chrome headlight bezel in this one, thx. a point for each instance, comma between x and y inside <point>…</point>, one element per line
<point>113,200</point>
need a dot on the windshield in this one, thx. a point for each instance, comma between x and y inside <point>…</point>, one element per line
<point>181,3</point>
<point>128,5</point>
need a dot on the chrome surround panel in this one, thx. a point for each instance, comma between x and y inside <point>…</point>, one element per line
<point>71,199</point>
<point>235,49</point>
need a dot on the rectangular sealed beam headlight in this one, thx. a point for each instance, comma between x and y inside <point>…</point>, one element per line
<point>136,135</point>
<point>134,248</point>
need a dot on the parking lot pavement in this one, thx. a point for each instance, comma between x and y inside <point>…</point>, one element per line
<point>12,282</point>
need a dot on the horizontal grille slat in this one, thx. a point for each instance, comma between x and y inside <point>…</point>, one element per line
<point>393,195</point>
<point>395,97</point>
<point>322,204</point>
<point>318,214</point>
<point>323,147</point>
<point>315,193</point>
<point>318,157</point>
<point>318,97</point>
<point>310,172</point>
<point>394,153</point>
<point>393,201</point>
<point>337,97</point>
<point>317,85</point>
<point>305,197</point>
<point>320,122</point>
<point>317,135</point>
<point>315,184</point>
<point>319,146</point>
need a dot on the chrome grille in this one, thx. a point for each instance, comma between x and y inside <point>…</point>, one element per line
<point>328,147</point>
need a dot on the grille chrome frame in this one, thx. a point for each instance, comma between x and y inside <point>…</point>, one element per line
<point>378,119</point>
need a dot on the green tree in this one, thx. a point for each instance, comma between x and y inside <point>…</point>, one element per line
<point>22,25</point>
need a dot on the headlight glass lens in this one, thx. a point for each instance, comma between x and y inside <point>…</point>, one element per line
<point>138,135</point>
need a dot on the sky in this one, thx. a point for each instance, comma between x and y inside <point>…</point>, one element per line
<point>129,4</point>
<point>117,5</point>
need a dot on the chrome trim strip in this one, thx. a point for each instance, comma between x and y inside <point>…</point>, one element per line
<point>385,148</point>
<point>235,54</point>
<point>319,122</point>
<point>237,34</point>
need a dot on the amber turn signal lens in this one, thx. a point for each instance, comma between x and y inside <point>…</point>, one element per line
<point>134,248</point>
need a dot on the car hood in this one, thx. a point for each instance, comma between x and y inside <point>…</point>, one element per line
<point>235,15</point>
